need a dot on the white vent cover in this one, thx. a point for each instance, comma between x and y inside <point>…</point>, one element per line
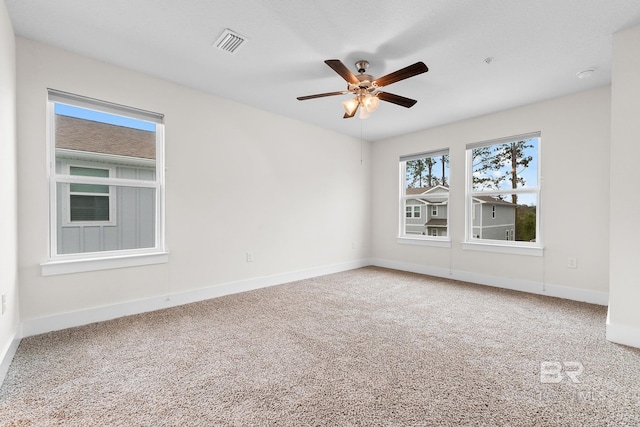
<point>230,41</point>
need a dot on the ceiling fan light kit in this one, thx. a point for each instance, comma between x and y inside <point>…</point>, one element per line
<point>367,89</point>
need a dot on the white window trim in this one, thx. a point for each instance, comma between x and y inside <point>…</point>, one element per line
<point>511,247</point>
<point>90,261</point>
<point>434,208</point>
<point>412,239</point>
<point>438,242</point>
<point>119,260</point>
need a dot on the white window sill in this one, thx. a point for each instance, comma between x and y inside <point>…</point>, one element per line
<point>425,241</point>
<point>502,248</point>
<point>70,266</point>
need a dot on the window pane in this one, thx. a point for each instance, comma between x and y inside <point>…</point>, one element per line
<point>426,191</point>
<point>89,188</point>
<point>80,171</point>
<point>87,135</point>
<point>89,208</point>
<point>506,166</point>
<point>427,172</point>
<point>504,217</point>
<point>96,223</point>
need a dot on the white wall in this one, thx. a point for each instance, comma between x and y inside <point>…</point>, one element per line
<point>574,207</point>
<point>238,179</point>
<point>624,313</point>
<point>8,188</point>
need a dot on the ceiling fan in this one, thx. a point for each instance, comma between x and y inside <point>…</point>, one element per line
<point>367,89</point>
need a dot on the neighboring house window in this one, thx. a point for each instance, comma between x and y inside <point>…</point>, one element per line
<point>503,186</point>
<point>413,211</point>
<point>107,181</point>
<point>424,184</point>
<point>89,203</point>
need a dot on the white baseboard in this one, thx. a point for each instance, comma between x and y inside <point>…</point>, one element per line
<point>7,357</point>
<point>623,334</point>
<point>99,314</point>
<point>575,294</point>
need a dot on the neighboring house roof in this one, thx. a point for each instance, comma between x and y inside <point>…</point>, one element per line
<point>493,200</point>
<point>424,190</point>
<point>439,222</point>
<point>95,137</point>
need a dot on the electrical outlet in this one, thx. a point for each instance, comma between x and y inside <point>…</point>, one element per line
<point>4,303</point>
<point>249,256</point>
<point>572,262</point>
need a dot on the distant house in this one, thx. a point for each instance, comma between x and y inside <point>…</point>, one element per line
<point>427,214</point>
<point>92,217</point>
<point>493,218</point>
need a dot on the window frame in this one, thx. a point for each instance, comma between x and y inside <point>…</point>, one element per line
<point>90,261</point>
<point>424,239</point>
<point>504,246</point>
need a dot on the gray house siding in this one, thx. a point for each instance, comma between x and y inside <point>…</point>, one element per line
<point>415,225</point>
<point>486,225</point>
<point>132,227</point>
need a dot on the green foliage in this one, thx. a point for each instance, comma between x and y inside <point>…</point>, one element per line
<point>525,223</point>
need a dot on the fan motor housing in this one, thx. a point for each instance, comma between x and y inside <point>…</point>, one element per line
<point>365,86</point>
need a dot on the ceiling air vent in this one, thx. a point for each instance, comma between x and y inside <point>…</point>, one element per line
<point>230,41</point>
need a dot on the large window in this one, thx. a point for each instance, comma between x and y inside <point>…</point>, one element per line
<point>503,191</point>
<point>424,201</point>
<point>106,164</point>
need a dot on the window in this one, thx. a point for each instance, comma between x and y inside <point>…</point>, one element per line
<point>106,179</point>
<point>424,185</point>
<point>88,204</point>
<point>503,186</point>
<point>413,211</point>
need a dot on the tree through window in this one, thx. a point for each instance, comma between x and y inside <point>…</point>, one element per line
<point>504,190</point>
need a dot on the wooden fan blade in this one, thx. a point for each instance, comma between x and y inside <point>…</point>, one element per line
<point>396,99</point>
<point>341,69</point>
<point>404,73</point>
<point>320,95</point>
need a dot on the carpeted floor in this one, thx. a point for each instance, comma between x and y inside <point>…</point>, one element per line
<point>368,347</point>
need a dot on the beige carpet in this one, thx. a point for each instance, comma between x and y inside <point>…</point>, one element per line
<point>369,347</point>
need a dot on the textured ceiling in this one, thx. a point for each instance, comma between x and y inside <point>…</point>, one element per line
<point>537,49</point>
